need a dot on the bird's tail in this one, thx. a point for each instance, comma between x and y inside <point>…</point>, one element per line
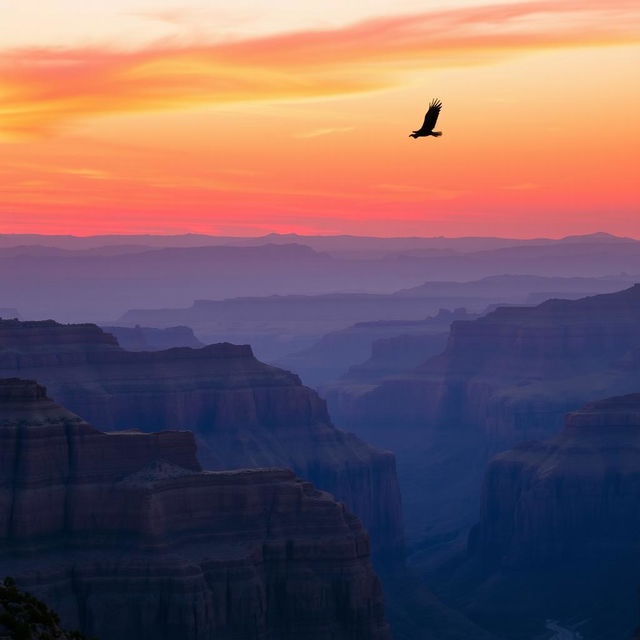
<point>437,134</point>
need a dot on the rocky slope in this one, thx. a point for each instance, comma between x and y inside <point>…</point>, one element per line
<point>244,413</point>
<point>563,517</point>
<point>127,538</point>
<point>504,378</point>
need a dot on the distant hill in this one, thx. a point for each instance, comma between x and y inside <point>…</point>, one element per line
<point>101,283</point>
<point>330,243</point>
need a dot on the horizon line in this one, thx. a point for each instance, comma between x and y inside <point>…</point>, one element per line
<point>317,235</point>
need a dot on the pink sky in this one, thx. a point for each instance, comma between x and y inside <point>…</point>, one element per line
<point>133,119</point>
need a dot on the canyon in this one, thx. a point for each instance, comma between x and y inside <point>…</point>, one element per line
<point>504,378</point>
<point>126,537</point>
<point>561,516</point>
<point>244,413</point>
<point>364,348</point>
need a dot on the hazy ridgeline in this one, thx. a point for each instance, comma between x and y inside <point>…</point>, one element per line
<point>433,354</point>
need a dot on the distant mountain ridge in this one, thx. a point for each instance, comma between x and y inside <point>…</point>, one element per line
<point>334,242</point>
<point>103,283</point>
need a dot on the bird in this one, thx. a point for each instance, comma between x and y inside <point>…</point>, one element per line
<point>430,119</point>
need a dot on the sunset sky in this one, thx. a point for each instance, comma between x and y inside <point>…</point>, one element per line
<point>252,116</point>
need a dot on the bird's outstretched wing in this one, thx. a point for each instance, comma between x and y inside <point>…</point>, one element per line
<point>431,116</point>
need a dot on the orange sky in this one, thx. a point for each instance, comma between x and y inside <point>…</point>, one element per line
<point>173,117</point>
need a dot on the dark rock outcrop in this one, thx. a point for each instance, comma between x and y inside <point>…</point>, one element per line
<point>127,538</point>
<point>562,517</point>
<point>24,617</point>
<point>244,413</point>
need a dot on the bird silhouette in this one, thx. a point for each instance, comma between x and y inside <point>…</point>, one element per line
<point>430,119</point>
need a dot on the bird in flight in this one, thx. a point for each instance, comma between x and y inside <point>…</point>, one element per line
<point>430,119</point>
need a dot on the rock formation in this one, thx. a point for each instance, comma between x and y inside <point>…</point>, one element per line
<point>337,353</point>
<point>127,538</point>
<point>505,378</point>
<point>562,517</point>
<point>244,413</point>
<point>278,326</point>
<point>151,339</point>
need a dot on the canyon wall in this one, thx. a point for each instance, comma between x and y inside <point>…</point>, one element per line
<point>505,378</point>
<point>562,516</point>
<point>244,413</point>
<point>126,537</point>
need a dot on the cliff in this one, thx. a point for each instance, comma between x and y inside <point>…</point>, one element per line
<point>244,413</point>
<point>510,368</point>
<point>127,538</point>
<point>562,516</point>
<point>505,378</point>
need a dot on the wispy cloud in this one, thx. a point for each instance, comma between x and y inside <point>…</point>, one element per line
<point>44,88</point>
<point>409,192</point>
<point>315,133</point>
<point>176,16</point>
<point>84,172</point>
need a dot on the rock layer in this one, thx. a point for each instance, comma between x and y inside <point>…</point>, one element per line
<point>574,496</point>
<point>562,517</point>
<point>244,413</point>
<point>505,378</point>
<point>126,537</point>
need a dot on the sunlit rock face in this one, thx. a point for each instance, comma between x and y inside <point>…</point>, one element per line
<point>243,412</point>
<point>126,537</point>
<point>559,529</point>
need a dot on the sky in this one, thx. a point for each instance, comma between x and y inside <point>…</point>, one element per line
<point>256,116</point>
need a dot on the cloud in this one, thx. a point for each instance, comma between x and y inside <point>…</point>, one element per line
<point>177,16</point>
<point>45,88</point>
<point>92,174</point>
<point>415,193</point>
<point>322,132</point>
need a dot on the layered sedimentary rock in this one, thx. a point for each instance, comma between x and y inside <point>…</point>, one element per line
<point>244,413</point>
<point>562,516</point>
<point>127,538</point>
<point>508,370</point>
<point>504,378</point>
